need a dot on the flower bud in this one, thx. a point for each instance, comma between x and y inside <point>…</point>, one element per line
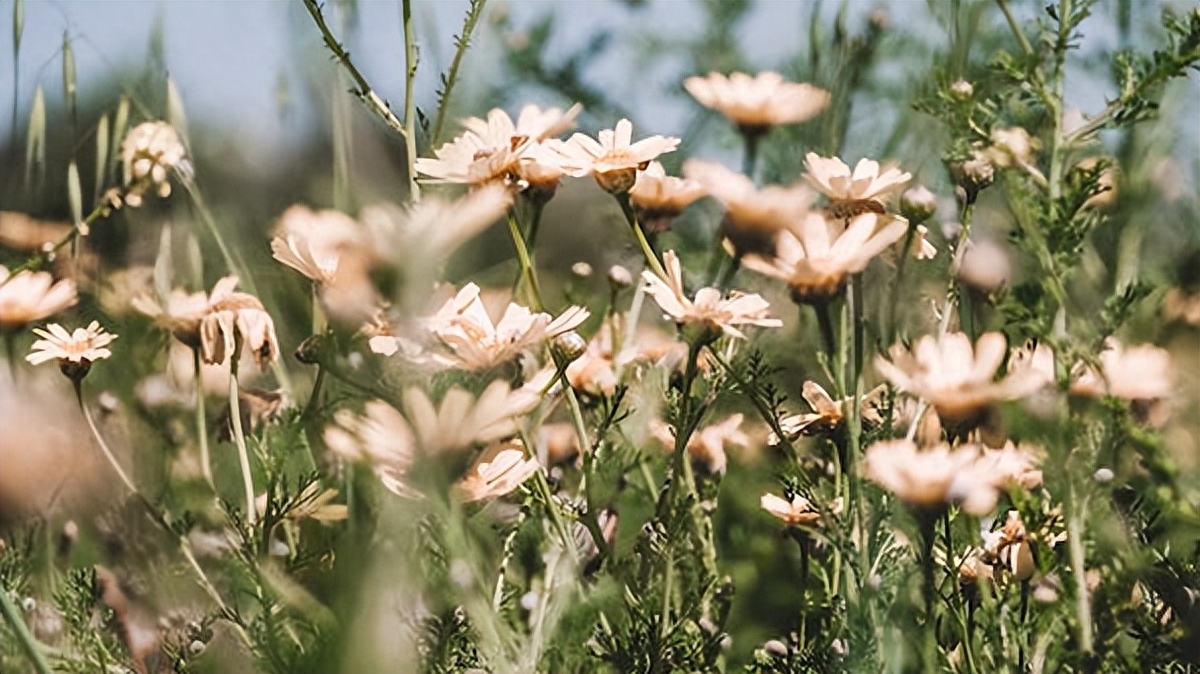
<point>569,345</point>
<point>972,176</point>
<point>962,90</point>
<point>776,648</point>
<point>619,277</point>
<point>917,204</point>
<point>581,269</point>
<point>1103,476</point>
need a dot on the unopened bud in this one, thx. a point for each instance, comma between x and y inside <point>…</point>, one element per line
<point>570,345</point>
<point>619,276</point>
<point>962,89</point>
<point>972,176</point>
<point>917,204</point>
<point>1103,476</point>
<point>309,350</point>
<point>777,648</point>
<point>581,269</point>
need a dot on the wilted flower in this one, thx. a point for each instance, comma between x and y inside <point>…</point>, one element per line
<point>150,150</point>
<point>816,256</point>
<point>753,217</point>
<point>797,512</point>
<point>958,380</point>
<point>934,477</point>
<point>475,343</point>
<point>29,296</point>
<point>709,311</point>
<point>614,160</point>
<point>658,198</point>
<point>75,351</point>
<point>707,446</point>
<point>498,470</point>
<point>232,319</point>
<point>852,193</point>
<point>1141,372</point>
<point>757,103</point>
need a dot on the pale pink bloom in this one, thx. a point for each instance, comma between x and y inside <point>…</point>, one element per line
<point>934,477</point>
<point>758,102</point>
<point>828,414</point>
<point>475,343</point>
<point>313,503</point>
<point>753,216</point>
<point>312,242</point>
<point>658,198</point>
<point>613,159</point>
<point>497,471</point>
<point>852,192</point>
<point>797,512</point>
<point>379,437</point>
<point>231,316</point>
<point>816,255</point>
<point>709,310</point>
<point>957,380</point>
<point>462,421</point>
<point>985,266</point>
<point>29,296</point>
<point>1142,372</point>
<point>83,345</point>
<point>597,371</point>
<point>1009,547</point>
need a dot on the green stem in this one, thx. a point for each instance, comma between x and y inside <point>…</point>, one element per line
<point>28,643</point>
<point>201,421</point>
<point>1082,597</point>
<point>410,103</point>
<point>527,270</point>
<point>112,460</point>
<point>235,420</point>
<point>647,249</point>
<point>464,41</point>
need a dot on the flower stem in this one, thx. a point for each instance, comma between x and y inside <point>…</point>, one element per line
<point>1082,598</point>
<point>201,421</point>
<point>112,460</point>
<point>28,643</point>
<point>410,103</point>
<point>235,420</point>
<point>527,271</point>
<point>647,249</point>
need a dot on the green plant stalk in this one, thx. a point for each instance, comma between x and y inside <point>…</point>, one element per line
<point>647,249</point>
<point>235,420</point>
<point>464,42</point>
<point>527,271</point>
<point>901,267</point>
<point>112,460</point>
<point>28,643</point>
<point>410,103</point>
<point>1083,606</point>
<point>201,421</point>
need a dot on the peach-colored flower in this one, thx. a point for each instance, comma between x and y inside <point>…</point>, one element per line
<point>599,369</point>
<point>828,414</point>
<point>233,318</point>
<point>797,512</point>
<point>475,343</point>
<point>933,477</point>
<point>613,159</point>
<point>29,296</point>
<point>658,198</point>
<point>75,351</point>
<point>851,193</point>
<point>1142,372</point>
<point>815,256</point>
<point>958,380</point>
<point>498,470</point>
<point>709,310</point>
<point>1009,547</point>
<point>311,242</point>
<point>760,102</point>
<point>1011,147</point>
<point>379,437</point>
<point>753,216</point>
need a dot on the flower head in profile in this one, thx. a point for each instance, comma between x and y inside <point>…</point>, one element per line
<point>958,380</point>
<point>149,152</point>
<point>828,415</point>
<point>497,471</point>
<point>474,342</point>
<point>312,242</point>
<point>935,477</point>
<point>753,216</point>
<point>815,256</point>
<point>755,104</point>
<point>75,351</point>
<point>710,312</point>
<point>497,150</point>
<point>184,311</point>
<point>797,512</point>
<point>658,198</point>
<point>29,296</point>
<point>852,192</point>
<point>1009,548</point>
<point>1142,372</point>
<point>612,158</point>
<point>379,437</point>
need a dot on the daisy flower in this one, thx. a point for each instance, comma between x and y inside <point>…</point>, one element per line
<point>29,296</point>
<point>753,216</point>
<point>75,351</point>
<point>851,193</point>
<point>613,159</point>
<point>709,310</point>
<point>658,198</point>
<point>497,471</point>
<point>755,104</point>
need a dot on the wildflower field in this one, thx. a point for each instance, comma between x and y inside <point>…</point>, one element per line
<point>628,351</point>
